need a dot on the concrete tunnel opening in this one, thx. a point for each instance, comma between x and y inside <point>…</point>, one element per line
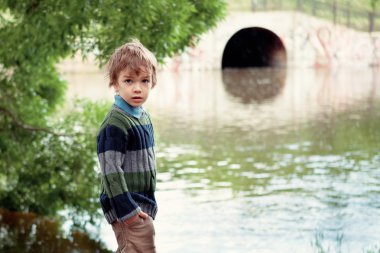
<point>254,47</point>
<point>254,65</point>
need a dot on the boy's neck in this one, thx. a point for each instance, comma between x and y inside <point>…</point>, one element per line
<point>133,111</point>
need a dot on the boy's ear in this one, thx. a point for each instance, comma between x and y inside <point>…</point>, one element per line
<point>115,87</point>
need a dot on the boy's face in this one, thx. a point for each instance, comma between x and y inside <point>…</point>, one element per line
<point>134,87</point>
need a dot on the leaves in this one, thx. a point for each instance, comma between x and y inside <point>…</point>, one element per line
<point>48,155</point>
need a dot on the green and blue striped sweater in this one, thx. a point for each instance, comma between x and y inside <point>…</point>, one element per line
<point>125,147</point>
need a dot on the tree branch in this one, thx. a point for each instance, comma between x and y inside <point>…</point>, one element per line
<point>27,127</point>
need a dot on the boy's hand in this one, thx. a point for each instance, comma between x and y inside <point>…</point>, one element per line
<point>141,215</point>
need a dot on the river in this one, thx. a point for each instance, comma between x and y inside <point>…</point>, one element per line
<point>262,160</point>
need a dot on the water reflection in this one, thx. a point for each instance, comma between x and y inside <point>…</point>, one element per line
<point>28,233</point>
<point>283,172</point>
<point>254,84</point>
<point>267,175</point>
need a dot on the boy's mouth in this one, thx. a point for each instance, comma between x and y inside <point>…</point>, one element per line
<point>137,98</point>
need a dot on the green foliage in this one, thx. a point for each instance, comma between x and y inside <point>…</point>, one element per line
<point>45,172</point>
<point>48,158</point>
<point>374,3</point>
<point>360,15</point>
<point>360,6</point>
<point>165,27</point>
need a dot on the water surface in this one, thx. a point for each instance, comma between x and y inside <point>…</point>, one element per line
<point>284,161</point>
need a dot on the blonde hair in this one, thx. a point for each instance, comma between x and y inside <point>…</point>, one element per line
<point>133,55</point>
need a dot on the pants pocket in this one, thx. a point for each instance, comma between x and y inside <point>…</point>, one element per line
<point>137,222</point>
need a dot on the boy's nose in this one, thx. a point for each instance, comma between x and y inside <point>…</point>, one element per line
<point>137,88</point>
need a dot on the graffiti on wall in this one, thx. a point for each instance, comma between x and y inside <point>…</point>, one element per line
<point>308,42</point>
<point>328,46</point>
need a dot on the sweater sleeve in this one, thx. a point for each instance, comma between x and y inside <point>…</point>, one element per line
<point>111,147</point>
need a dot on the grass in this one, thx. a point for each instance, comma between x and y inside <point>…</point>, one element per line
<point>352,13</point>
<point>320,245</point>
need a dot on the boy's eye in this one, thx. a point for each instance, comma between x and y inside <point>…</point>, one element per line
<point>128,81</point>
<point>146,81</point>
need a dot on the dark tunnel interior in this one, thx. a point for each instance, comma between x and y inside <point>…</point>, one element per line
<point>254,47</point>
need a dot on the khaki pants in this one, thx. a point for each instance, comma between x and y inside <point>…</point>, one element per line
<point>135,237</point>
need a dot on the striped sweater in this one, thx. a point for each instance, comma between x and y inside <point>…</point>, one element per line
<point>125,147</point>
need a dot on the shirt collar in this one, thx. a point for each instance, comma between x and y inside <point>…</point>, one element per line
<point>133,111</point>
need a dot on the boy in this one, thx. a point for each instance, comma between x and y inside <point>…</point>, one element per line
<point>125,145</point>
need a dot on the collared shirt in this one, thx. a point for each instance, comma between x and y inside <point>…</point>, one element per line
<point>133,111</point>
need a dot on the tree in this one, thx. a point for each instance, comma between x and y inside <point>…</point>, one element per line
<point>48,156</point>
<point>374,4</point>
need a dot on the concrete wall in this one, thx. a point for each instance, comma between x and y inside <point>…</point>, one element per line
<point>310,42</point>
